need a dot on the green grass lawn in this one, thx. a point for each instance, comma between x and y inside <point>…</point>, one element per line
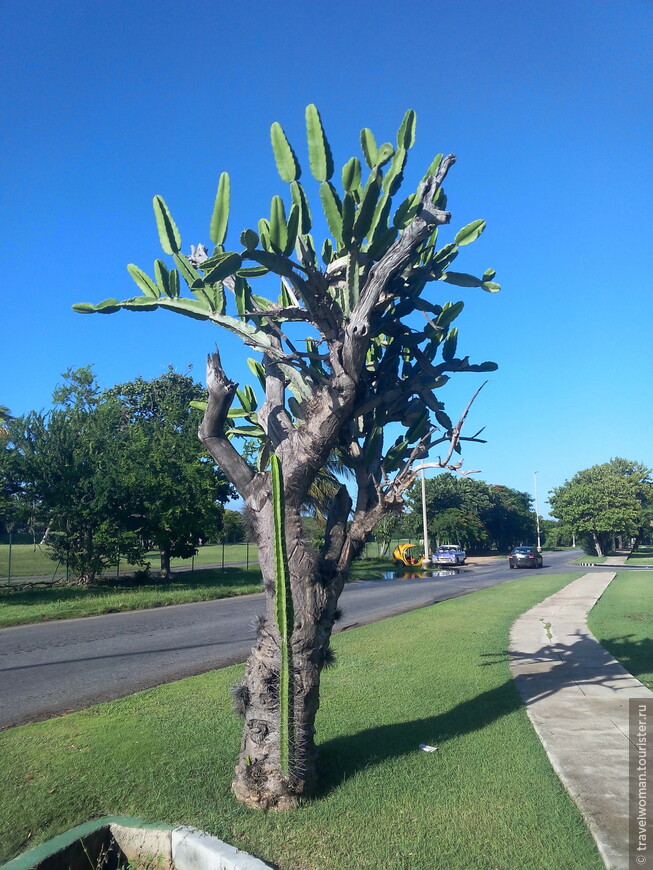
<point>622,621</point>
<point>18,607</point>
<point>212,555</point>
<point>589,560</point>
<point>643,556</point>
<point>28,561</point>
<point>488,799</point>
<point>39,605</point>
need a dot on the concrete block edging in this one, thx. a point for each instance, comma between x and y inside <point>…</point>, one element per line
<point>181,848</point>
<point>196,850</point>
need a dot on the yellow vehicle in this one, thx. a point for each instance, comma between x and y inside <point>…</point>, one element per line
<point>401,553</point>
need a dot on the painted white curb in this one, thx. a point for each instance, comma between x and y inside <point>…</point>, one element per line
<point>193,849</point>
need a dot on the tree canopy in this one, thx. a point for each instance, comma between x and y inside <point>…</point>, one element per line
<point>350,345</point>
<point>471,512</point>
<point>112,474</point>
<point>177,490</point>
<point>604,501</point>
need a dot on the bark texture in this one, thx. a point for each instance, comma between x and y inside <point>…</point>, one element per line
<point>164,556</point>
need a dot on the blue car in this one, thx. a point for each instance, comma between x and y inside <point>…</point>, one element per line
<point>450,554</point>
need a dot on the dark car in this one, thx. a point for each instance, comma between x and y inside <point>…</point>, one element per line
<point>525,557</point>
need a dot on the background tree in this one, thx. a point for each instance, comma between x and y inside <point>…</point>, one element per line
<point>472,513</point>
<point>14,509</point>
<point>639,476</point>
<point>459,526</point>
<point>556,533</point>
<point>177,490</point>
<point>347,348</point>
<point>604,501</point>
<point>5,419</point>
<point>233,527</point>
<point>384,531</point>
<point>112,474</point>
<point>68,462</point>
<point>512,520</point>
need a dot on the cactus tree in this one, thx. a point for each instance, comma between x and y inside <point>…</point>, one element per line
<point>354,341</point>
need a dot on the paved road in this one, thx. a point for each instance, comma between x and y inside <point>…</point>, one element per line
<point>56,667</point>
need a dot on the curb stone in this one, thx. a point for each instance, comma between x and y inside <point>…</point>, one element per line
<point>196,850</point>
<point>607,565</point>
<point>182,848</point>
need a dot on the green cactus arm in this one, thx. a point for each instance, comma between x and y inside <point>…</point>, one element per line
<point>220,216</point>
<point>368,146</point>
<point>278,225</point>
<point>469,233</point>
<point>287,164</point>
<point>319,152</point>
<point>351,174</point>
<point>292,230</point>
<point>284,617</point>
<point>332,210</point>
<point>227,264</point>
<point>406,132</point>
<point>299,199</point>
<point>168,233</point>
<point>365,214</point>
<point>143,281</point>
<point>162,277</point>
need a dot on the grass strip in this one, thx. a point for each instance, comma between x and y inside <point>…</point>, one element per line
<point>642,556</point>
<point>589,560</point>
<point>487,799</point>
<point>20,607</point>
<point>30,561</point>
<point>622,622</point>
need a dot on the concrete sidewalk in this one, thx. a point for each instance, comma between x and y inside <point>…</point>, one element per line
<point>618,559</point>
<point>577,697</point>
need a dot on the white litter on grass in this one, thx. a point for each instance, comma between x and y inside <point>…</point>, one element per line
<point>428,748</point>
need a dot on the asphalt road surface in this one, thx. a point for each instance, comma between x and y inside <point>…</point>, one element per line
<point>57,667</point>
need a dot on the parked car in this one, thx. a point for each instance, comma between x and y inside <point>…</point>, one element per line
<point>450,554</point>
<point>525,557</point>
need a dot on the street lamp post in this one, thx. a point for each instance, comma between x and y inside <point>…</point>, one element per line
<point>427,556</point>
<point>537,513</point>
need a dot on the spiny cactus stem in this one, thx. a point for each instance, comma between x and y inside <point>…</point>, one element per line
<point>285,619</point>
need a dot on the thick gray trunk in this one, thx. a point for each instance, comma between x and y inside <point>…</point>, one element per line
<point>165,563</point>
<point>597,544</point>
<point>259,781</point>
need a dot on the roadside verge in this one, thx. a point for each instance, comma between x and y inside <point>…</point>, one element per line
<point>576,695</point>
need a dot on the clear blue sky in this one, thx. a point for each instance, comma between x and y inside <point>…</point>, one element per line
<point>546,105</point>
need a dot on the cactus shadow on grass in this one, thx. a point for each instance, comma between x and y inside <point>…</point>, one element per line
<point>634,653</point>
<point>581,662</point>
<point>343,757</point>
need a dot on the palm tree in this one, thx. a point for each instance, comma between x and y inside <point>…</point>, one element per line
<point>324,488</point>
